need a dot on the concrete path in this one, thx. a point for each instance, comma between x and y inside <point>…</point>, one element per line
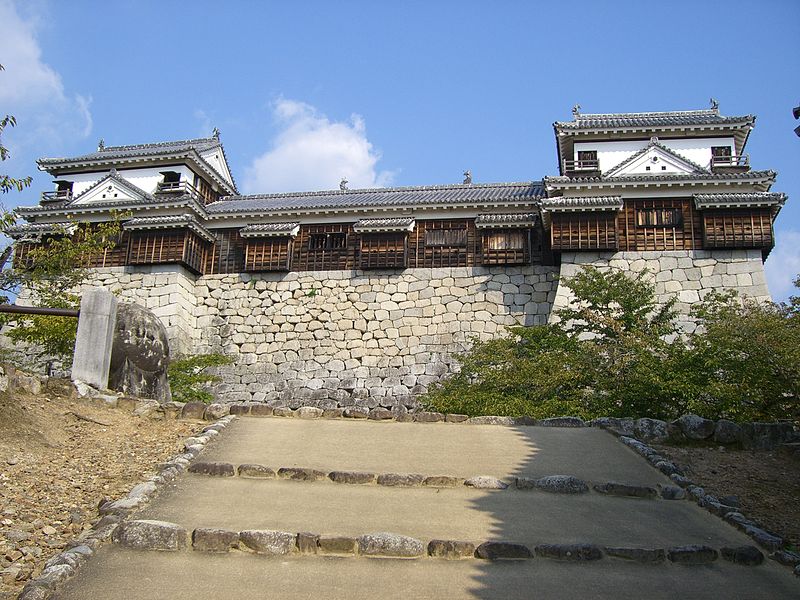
<point>529,517</point>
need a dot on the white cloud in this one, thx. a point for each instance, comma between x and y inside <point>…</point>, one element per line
<point>33,91</point>
<point>311,152</point>
<point>783,265</point>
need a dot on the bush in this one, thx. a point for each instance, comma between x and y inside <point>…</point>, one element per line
<point>607,354</point>
<point>189,378</point>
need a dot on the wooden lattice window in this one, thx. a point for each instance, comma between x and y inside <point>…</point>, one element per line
<point>506,246</point>
<point>327,241</point>
<point>168,246</point>
<point>383,251</point>
<point>659,217</point>
<point>587,159</point>
<point>446,237</point>
<point>268,254</point>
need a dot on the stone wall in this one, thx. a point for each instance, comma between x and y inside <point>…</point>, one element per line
<point>687,275</point>
<point>337,338</point>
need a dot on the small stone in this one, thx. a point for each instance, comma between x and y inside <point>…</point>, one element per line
<point>641,555</point>
<point>355,412</point>
<point>618,427</point>
<point>400,479</point>
<point>681,480</point>
<point>561,422</point>
<point>214,540</point>
<point>307,543</point>
<point>267,542</point>
<point>333,413</point>
<point>300,474</point>
<point>216,411</point>
<point>240,409</point>
<point>502,550</point>
<point>491,420</point>
<point>671,492</point>
<point>485,483</point>
<point>455,418</point>
<point>652,430</point>
<point>621,489</point>
<point>558,484</point>
<point>764,538</point>
<point>49,530</point>
<point>730,501</point>
<point>451,549</point>
<point>283,411</point>
<point>34,591</point>
<point>337,545</point>
<point>193,410</point>
<point>308,412</point>
<point>256,471</point>
<point>215,469</point>
<point>727,432</point>
<point>695,427</point>
<point>578,552</point>
<point>390,544</point>
<point>354,477</point>
<point>692,555</point>
<point>261,410</point>
<point>150,535</point>
<point>428,417</point>
<point>667,468</point>
<point>786,558</point>
<point>380,414</point>
<point>442,481</point>
<point>743,555</point>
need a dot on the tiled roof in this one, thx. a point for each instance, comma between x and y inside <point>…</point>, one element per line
<point>34,230</point>
<point>270,230</point>
<point>169,222</point>
<point>751,199</point>
<point>570,204</point>
<point>660,178</point>
<point>399,197</point>
<point>399,224</point>
<point>142,152</point>
<point>506,220</point>
<point>654,144</point>
<point>136,151</point>
<point>684,118</point>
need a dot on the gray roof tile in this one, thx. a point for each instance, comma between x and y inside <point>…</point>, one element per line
<point>398,224</point>
<point>684,118</point>
<point>569,204</point>
<point>399,197</point>
<point>169,222</point>
<point>659,178</point>
<point>507,220</point>
<point>26,231</point>
<point>733,200</point>
<point>270,230</point>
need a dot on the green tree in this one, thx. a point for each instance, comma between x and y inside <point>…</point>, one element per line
<point>189,377</point>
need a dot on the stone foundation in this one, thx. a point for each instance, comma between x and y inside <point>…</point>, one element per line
<point>337,338</point>
<point>687,275</point>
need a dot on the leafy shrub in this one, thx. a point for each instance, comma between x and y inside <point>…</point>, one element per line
<point>189,378</point>
<point>608,354</point>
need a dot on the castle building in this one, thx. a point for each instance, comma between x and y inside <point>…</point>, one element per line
<point>361,297</point>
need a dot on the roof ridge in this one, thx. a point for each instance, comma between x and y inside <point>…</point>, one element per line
<point>158,144</point>
<point>693,112</point>
<point>411,188</point>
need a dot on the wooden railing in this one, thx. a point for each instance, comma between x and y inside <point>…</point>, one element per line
<point>57,196</point>
<point>590,164</point>
<point>742,160</point>
<point>177,187</point>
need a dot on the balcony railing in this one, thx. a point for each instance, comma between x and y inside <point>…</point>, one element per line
<point>735,161</point>
<point>590,164</point>
<point>57,196</point>
<point>178,188</point>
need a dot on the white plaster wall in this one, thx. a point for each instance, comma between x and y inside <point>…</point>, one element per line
<point>610,154</point>
<point>686,275</point>
<point>145,179</point>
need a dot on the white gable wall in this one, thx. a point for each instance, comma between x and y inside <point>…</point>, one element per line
<point>146,179</point>
<point>610,154</point>
<point>216,159</point>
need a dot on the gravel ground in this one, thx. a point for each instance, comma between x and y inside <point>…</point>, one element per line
<point>56,467</point>
<point>767,484</point>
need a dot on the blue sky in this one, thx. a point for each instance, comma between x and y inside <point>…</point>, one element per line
<point>392,93</point>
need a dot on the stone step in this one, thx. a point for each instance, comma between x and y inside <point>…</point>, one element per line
<point>522,516</point>
<point>120,574</point>
<point>435,448</point>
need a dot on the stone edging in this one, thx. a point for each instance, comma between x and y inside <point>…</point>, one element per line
<point>558,484</point>
<point>759,436</point>
<point>164,536</point>
<point>65,565</point>
<point>766,539</point>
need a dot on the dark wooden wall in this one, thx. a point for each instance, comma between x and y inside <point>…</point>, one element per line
<point>383,251</point>
<point>168,246</point>
<point>738,228</point>
<point>634,237</point>
<point>584,231</point>
<point>268,254</point>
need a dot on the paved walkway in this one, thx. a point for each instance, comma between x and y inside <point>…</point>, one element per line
<point>529,517</point>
